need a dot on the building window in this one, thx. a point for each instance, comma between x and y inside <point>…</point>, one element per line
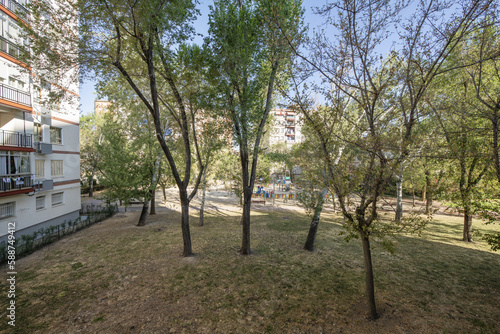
<point>7,210</point>
<point>39,169</point>
<point>14,163</point>
<point>56,168</point>
<point>37,129</point>
<point>40,203</point>
<point>57,199</point>
<point>55,135</point>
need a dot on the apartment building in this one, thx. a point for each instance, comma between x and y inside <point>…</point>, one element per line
<point>39,144</point>
<point>286,127</point>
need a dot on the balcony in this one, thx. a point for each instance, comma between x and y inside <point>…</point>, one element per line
<point>17,9</point>
<point>16,182</point>
<point>16,139</point>
<point>15,95</point>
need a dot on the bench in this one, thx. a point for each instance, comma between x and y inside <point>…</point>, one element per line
<point>263,201</point>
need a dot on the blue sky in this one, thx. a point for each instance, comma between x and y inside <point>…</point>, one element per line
<point>87,92</point>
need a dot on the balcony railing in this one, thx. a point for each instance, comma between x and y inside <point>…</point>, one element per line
<point>11,48</point>
<point>15,95</point>
<point>17,9</point>
<point>16,139</point>
<point>16,181</point>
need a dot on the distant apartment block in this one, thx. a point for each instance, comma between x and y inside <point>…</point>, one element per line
<point>101,107</point>
<point>286,127</point>
<point>39,145</point>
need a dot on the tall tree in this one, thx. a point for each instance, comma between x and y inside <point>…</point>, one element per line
<point>354,67</point>
<point>249,53</point>
<point>139,41</point>
<point>90,157</point>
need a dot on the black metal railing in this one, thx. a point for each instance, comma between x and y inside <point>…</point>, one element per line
<point>17,9</point>
<point>15,95</point>
<point>11,48</point>
<point>16,181</point>
<point>16,139</point>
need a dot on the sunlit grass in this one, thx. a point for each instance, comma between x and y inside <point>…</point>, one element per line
<point>117,278</point>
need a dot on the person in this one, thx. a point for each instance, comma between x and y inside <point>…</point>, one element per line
<point>12,165</point>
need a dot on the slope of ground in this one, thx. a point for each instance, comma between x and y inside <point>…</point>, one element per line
<point>115,277</point>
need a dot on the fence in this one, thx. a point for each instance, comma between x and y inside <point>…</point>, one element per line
<point>328,197</point>
<point>28,243</point>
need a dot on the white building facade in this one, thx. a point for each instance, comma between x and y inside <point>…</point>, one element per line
<point>286,127</point>
<point>39,145</point>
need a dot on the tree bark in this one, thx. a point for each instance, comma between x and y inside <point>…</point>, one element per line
<point>370,287</point>
<point>428,186</point>
<point>399,197</point>
<point>144,214</point>
<point>163,188</point>
<point>311,236</point>
<point>466,236</point>
<point>153,203</point>
<point>203,195</point>
<point>154,182</point>
<point>245,221</point>
<point>186,235</point>
<point>91,184</point>
<point>313,228</point>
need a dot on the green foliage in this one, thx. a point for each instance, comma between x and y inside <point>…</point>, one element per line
<point>493,239</point>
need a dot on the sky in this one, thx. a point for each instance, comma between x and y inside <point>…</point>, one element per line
<point>87,91</point>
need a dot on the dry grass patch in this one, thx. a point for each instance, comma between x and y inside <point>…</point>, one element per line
<point>115,277</point>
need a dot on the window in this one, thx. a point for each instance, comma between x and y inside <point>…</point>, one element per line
<point>13,163</point>
<point>37,129</point>
<point>57,199</point>
<point>55,135</point>
<point>56,168</point>
<point>39,169</point>
<point>7,210</point>
<point>40,203</point>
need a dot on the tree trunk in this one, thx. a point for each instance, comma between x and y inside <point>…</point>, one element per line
<point>311,236</point>
<point>245,221</point>
<point>186,235</point>
<point>412,193</point>
<point>154,182</point>
<point>163,188</point>
<point>202,206</point>
<point>428,203</point>
<point>153,203</point>
<point>144,214</point>
<point>370,287</point>
<point>91,184</point>
<point>313,228</point>
<point>428,186</point>
<point>467,225</point>
<point>399,197</point>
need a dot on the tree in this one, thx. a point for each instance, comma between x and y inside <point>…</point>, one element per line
<point>465,140</point>
<point>353,68</point>
<point>138,41</point>
<point>130,155</point>
<point>248,54</point>
<point>213,138</point>
<point>90,157</point>
<point>313,183</point>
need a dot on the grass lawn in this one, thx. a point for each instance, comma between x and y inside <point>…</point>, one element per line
<point>115,277</point>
